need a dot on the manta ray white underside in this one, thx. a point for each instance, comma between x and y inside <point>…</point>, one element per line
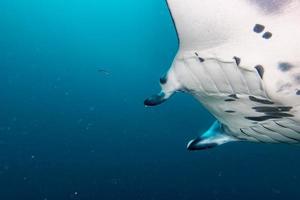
<point>241,60</point>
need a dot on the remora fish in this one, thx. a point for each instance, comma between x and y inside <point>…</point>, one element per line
<point>241,60</point>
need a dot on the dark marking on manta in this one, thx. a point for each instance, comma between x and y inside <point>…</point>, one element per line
<point>164,79</point>
<point>271,112</point>
<point>200,59</point>
<point>262,118</point>
<point>268,109</point>
<point>263,101</point>
<point>260,69</point>
<point>298,92</point>
<point>285,66</point>
<point>233,96</point>
<point>237,60</point>
<point>229,100</point>
<point>267,35</point>
<point>230,111</point>
<point>281,114</point>
<point>258,28</point>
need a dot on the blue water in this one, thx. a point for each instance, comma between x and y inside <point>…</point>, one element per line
<point>68,131</point>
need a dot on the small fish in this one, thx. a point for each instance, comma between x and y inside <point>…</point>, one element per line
<point>103,71</point>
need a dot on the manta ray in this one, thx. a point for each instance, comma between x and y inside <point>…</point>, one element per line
<point>241,60</point>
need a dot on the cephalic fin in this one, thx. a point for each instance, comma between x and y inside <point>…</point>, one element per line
<point>169,85</point>
<point>156,99</point>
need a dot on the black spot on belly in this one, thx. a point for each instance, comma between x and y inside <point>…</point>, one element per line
<point>233,96</point>
<point>230,111</point>
<point>229,100</point>
<point>271,112</point>
<point>258,28</point>
<point>237,60</point>
<point>262,118</point>
<point>267,35</point>
<point>260,70</point>
<point>163,79</point>
<point>268,109</point>
<point>285,66</point>
<point>262,101</point>
<point>298,92</point>
<point>281,114</point>
<point>200,59</point>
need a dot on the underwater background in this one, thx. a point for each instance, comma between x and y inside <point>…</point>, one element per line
<point>73,78</point>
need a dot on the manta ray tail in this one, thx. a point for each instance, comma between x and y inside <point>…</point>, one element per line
<point>169,85</point>
<point>215,136</point>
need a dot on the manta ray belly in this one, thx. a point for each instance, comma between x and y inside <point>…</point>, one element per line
<point>240,60</point>
<point>235,96</point>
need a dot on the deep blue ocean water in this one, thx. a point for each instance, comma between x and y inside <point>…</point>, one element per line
<point>68,131</point>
